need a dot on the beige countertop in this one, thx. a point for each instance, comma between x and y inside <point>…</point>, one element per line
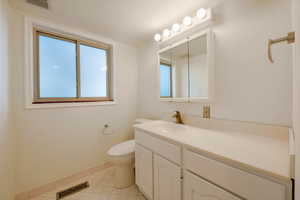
<point>267,154</point>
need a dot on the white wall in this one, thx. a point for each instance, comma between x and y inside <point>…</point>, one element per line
<point>7,137</point>
<point>54,143</point>
<point>248,87</point>
<point>296,91</point>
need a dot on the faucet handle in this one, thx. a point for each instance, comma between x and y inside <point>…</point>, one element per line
<point>175,113</point>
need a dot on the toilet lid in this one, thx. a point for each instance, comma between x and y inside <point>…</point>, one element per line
<point>122,149</point>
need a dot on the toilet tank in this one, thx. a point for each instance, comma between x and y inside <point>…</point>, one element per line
<point>142,120</point>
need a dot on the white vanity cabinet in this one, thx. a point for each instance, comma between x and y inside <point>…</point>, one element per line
<point>167,180</point>
<point>156,177</point>
<point>144,170</point>
<point>245,184</point>
<point>169,170</point>
<point>196,188</point>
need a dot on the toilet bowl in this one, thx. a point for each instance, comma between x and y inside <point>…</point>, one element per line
<point>122,156</point>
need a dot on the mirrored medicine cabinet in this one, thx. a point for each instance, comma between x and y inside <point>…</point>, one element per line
<point>186,69</point>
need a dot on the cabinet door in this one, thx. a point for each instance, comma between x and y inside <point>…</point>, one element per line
<point>144,170</point>
<point>167,180</point>
<point>196,188</point>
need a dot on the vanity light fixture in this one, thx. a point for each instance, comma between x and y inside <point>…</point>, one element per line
<point>157,37</point>
<point>187,21</point>
<point>201,13</point>
<point>202,16</point>
<point>175,28</point>
<point>166,33</point>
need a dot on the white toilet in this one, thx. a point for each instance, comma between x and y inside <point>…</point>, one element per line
<point>122,156</point>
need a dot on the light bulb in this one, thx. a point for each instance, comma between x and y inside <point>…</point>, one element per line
<point>187,21</point>
<point>166,33</point>
<point>157,37</point>
<point>175,28</point>
<point>201,13</point>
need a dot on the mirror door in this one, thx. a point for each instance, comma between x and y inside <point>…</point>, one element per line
<point>198,67</point>
<point>180,66</point>
<point>186,70</point>
<point>166,74</point>
<point>174,76</point>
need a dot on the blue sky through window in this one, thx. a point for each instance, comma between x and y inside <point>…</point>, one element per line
<point>165,80</point>
<point>93,71</point>
<point>58,74</point>
<point>57,67</point>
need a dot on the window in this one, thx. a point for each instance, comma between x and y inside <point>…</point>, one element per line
<point>165,80</point>
<point>69,69</point>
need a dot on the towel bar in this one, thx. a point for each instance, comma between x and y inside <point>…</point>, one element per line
<point>290,38</point>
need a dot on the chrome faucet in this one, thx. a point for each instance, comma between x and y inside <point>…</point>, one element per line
<point>178,117</point>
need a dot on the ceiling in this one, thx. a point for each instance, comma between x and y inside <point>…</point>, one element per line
<point>129,21</point>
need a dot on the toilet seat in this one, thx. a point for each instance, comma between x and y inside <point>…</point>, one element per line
<point>122,149</point>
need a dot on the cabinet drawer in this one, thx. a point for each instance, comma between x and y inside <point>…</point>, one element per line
<point>244,184</point>
<point>196,188</point>
<point>159,146</point>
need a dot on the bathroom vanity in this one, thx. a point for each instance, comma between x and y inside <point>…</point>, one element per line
<point>180,162</point>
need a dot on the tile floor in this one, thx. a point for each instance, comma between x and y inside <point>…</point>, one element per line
<point>101,188</point>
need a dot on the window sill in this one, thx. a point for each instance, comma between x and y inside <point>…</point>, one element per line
<point>66,105</point>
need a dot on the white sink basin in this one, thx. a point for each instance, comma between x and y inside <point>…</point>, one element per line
<point>171,127</point>
<point>164,127</point>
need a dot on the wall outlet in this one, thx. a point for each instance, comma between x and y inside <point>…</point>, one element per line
<point>206,112</point>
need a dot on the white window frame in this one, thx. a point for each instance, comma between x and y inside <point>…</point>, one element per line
<point>30,24</point>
